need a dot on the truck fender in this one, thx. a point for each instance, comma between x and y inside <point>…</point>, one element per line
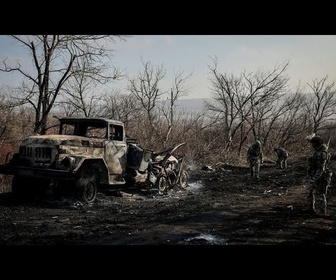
<point>96,163</point>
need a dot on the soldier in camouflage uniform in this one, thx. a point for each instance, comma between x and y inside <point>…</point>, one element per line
<point>319,176</point>
<point>282,157</point>
<point>255,158</point>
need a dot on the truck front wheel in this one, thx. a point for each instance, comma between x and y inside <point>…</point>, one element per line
<point>87,186</point>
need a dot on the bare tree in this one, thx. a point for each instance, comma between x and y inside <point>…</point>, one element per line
<point>160,115</point>
<point>123,107</point>
<point>242,105</point>
<point>264,90</point>
<point>168,110</point>
<point>146,90</point>
<point>224,108</point>
<point>20,120</point>
<point>81,97</point>
<point>287,123</point>
<point>322,103</point>
<point>56,59</point>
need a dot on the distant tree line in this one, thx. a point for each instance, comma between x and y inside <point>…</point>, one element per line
<point>257,105</point>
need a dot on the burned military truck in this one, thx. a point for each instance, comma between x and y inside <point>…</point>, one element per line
<point>89,154</point>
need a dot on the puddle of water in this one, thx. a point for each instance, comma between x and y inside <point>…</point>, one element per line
<point>206,238</point>
<point>196,185</point>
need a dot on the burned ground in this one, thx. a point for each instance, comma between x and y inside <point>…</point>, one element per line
<point>222,206</point>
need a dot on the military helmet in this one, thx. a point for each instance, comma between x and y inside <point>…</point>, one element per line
<point>317,140</point>
<point>258,143</point>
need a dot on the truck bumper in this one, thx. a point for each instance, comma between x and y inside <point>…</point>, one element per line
<point>43,173</point>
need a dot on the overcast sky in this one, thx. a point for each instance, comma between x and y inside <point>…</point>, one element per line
<point>310,56</point>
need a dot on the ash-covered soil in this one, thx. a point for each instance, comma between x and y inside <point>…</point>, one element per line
<point>221,206</point>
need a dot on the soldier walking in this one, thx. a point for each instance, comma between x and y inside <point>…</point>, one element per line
<point>255,158</point>
<point>319,176</point>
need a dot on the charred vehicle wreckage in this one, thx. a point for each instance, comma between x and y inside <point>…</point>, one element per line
<point>90,154</point>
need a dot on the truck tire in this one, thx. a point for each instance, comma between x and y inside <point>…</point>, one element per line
<point>87,186</point>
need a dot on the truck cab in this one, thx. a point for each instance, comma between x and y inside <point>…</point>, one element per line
<point>86,153</point>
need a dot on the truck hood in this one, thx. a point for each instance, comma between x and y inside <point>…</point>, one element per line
<point>70,140</point>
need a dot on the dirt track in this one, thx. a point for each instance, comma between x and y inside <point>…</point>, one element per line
<point>220,207</point>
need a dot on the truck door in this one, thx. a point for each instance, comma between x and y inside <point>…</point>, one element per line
<point>116,150</point>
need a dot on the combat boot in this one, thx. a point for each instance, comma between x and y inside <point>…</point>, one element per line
<point>324,205</point>
<point>324,210</point>
<point>252,174</point>
<point>311,209</point>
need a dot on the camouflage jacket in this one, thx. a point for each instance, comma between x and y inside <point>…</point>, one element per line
<point>254,152</point>
<point>317,163</point>
<point>281,152</point>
